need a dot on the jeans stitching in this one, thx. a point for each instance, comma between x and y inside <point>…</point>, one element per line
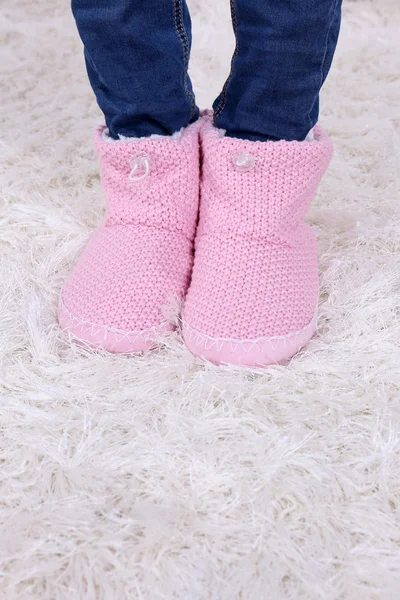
<point>334,7</point>
<point>222,102</point>
<point>181,31</point>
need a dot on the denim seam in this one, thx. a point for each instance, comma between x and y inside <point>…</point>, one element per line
<point>89,58</point>
<point>181,31</point>
<point>334,7</point>
<point>222,102</point>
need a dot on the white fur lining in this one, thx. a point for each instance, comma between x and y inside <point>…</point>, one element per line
<point>122,138</point>
<point>310,137</point>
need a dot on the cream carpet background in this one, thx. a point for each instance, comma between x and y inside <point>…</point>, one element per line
<point>160,477</point>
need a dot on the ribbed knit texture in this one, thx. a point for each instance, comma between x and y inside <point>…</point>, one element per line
<point>255,272</point>
<point>140,259</point>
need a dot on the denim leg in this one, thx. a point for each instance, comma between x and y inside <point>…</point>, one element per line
<point>283,54</point>
<point>137,55</point>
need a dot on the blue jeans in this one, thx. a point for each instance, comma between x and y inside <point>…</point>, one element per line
<point>137,55</point>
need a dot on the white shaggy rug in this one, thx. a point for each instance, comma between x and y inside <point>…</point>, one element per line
<point>161,477</point>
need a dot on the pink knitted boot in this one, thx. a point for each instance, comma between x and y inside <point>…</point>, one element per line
<point>254,290</point>
<point>140,259</point>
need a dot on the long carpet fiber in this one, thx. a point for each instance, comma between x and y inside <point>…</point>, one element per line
<point>161,477</point>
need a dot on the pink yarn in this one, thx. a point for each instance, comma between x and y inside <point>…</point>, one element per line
<point>140,259</point>
<point>255,276</point>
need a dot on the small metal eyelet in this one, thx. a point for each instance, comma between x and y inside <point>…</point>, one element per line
<point>244,162</point>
